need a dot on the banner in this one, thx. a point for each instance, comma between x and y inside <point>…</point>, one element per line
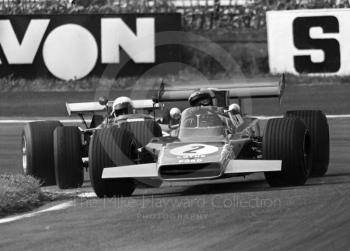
<point>313,42</point>
<point>72,47</point>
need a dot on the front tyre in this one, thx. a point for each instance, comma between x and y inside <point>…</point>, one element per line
<point>287,139</point>
<point>111,147</point>
<point>143,132</point>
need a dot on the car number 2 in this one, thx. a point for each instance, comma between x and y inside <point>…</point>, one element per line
<point>194,149</point>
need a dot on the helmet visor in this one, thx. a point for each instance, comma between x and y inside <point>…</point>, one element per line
<point>203,102</point>
<point>122,109</point>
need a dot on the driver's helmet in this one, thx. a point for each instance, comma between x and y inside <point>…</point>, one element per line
<point>122,106</point>
<point>202,98</point>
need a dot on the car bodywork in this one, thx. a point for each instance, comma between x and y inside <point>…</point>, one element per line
<point>209,143</point>
<point>204,152</point>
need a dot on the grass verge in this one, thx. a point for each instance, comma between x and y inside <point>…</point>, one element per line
<point>20,193</point>
<point>127,83</point>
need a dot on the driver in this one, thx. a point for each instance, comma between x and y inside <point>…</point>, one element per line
<point>207,98</point>
<point>122,106</point>
<point>202,98</point>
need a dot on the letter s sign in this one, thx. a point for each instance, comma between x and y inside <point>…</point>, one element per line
<point>303,41</point>
<point>314,42</point>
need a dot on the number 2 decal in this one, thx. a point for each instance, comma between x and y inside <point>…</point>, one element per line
<point>194,149</point>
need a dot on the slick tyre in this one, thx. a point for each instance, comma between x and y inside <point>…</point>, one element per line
<point>69,170</point>
<point>317,124</point>
<point>111,147</point>
<point>143,131</point>
<point>287,139</point>
<point>37,150</point>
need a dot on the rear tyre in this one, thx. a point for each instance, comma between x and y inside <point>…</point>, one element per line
<point>111,147</point>
<point>37,150</point>
<point>144,131</point>
<point>67,154</point>
<point>287,139</point>
<point>317,124</point>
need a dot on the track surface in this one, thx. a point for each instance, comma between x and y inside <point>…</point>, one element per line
<point>233,214</point>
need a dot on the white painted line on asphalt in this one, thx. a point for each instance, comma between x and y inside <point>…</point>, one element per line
<point>20,121</point>
<point>87,195</point>
<point>29,215</point>
<point>340,116</point>
<point>267,117</point>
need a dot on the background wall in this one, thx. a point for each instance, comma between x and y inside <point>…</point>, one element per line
<point>238,26</point>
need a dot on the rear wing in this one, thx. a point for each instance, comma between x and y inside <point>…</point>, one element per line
<point>243,89</point>
<point>92,107</point>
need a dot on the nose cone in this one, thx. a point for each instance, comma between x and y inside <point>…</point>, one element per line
<point>183,161</point>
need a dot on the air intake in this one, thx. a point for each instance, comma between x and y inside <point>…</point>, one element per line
<point>190,171</point>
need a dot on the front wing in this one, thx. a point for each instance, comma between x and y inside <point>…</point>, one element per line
<point>151,171</point>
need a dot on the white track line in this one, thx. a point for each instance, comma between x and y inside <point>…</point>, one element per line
<point>340,116</point>
<point>23,121</point>
<point>87,195</point>
<point>29,215</point>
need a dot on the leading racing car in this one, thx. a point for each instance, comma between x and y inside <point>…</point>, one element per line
<point>213,139</point>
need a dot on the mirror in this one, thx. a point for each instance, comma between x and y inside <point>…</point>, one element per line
<point>103,100</point>
<point>175,116</point>
<point>234,109</point>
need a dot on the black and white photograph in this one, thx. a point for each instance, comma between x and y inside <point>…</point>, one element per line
<point>174,125</point>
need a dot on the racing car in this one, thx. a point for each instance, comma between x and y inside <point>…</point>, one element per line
<point>214,139</point>
<point>57,154</point>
